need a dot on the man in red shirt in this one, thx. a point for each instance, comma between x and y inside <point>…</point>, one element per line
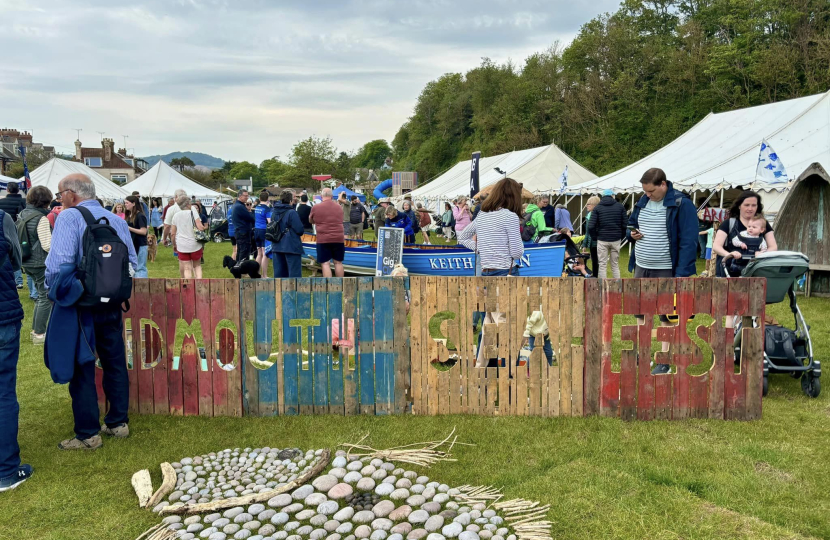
<point>327,216</point>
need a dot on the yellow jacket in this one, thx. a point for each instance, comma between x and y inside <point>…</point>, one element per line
<point>536,325</point>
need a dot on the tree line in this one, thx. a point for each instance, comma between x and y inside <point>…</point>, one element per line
<point>628,84</point>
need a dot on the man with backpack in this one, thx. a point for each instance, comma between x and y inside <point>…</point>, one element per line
<point>533,221</point>
<point>607,226</point>
<point>97,245</point>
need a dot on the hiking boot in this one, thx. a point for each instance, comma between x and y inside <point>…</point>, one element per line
<point>38,339</point>
<point>661,369</point>
<point>23,473</point>
<point>121,431</point>
<point>93,443</point>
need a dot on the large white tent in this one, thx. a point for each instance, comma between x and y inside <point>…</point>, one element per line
<point>54,170</point>
<point>721,151</point>
<point>539,169</point>
<point>163,181</point>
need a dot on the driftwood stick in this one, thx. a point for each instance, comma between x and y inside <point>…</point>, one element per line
<point>143,486</point>
<point>168,482</point>
<point>221,504</point>
<point>151,530</point>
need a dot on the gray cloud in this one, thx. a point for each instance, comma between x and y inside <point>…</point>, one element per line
<point>180,74</point>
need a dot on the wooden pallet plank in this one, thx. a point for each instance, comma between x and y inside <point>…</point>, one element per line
<point>443,354</point>
<point>128,329</point>
<point>610,380</point>
<point>334,288</point>
<point>523,389</point>
<point>384,303</point>
<point>663,383</point>
<point>321,346</point>
<point>645,380</point>
<point>721,348</point>
<point>291,355</point>
<point>454,305</point>
<point>190,354</point>
<point>402,354</point>
<point>159,356</point>
<point>248,349</point>
<point>366,344</point>
<point>681,408</point>
<point>699,384</point>
<point>578,351</point>
<point>753,348</point>
<point>433,399</point>
<point>628,357</point>
<point>735,383</point>
<point>205,375</point>
<point>306,376</point>
<point>173,305</point>
<point>265,345</point>
<point>350,372</point>
<point>141,351</point>
<point>416,359</point>
<point>231,347</point>
<point>550,309</point>
<point>219,379</point>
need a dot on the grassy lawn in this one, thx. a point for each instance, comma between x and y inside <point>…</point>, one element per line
<point>604,478</point>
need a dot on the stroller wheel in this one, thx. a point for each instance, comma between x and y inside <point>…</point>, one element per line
<point>810,385</point>
<point>765,387</point>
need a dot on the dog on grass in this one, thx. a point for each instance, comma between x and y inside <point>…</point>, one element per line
<point>249,267</point>
<point>152,247</point>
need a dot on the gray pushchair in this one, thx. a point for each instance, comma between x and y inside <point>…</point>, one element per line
<point>785,350</point>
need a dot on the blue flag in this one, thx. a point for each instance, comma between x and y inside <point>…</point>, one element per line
<point>770,170</point>
<point>563,181</point>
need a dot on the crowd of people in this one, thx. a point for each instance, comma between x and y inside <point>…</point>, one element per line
<point>42,235</point>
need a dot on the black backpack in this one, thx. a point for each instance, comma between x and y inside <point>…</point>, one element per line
<point>23,236</point>
<point>528,230</point>
<point>105,265</point>
<point>274,232</point>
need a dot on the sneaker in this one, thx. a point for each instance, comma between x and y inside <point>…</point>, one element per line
<point>24,472</point>
<point>38,339</point>
<point>661,369</point>
<point>19,286</point>
<point>75,443</point>
<point>121,431</point>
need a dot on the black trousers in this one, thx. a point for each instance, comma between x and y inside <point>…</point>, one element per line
<point>244,246</point>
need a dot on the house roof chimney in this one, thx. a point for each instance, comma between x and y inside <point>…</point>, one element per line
<point>78,155</point>
<point>107,144</point>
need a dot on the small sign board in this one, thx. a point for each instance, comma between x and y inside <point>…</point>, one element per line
<point>390,250</point>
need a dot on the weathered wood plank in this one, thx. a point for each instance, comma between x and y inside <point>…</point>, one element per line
<point>321,346</point>
<point>385,307</point>
<point>350,372</point>
<point>610,380</point>
<point>173,304</point>
<point>334,286</point>
<point>190,361</point>
<point>205,375</point>
<point>366,345</point>
<point>215,314</point>
<point>231,348</point>
<point>306,376</point>
<point>291,355</point>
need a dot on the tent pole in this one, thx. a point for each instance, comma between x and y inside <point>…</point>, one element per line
<point>721,197</point>
<point>581,210</point>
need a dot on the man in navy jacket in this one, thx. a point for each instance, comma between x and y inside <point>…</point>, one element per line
<point>664,235</point>
<point>243,226</point>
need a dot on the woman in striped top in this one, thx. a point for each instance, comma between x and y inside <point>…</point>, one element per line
<point>494,234</point>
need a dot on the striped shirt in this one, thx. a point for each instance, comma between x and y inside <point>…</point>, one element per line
<point>653,250</point>
<point>498,240</point>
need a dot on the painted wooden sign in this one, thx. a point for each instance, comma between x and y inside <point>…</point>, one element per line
<point>347,346</point>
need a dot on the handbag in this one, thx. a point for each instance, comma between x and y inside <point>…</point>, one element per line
<point>200,236</point>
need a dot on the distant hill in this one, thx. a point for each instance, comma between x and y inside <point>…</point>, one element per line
<point>198,158</point>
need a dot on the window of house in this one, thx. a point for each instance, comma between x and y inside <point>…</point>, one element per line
<point>128,161</point>
<point>93,162</point>
<point>119,178</point>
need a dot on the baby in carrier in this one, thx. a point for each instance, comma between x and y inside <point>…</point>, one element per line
<point>748,243</point>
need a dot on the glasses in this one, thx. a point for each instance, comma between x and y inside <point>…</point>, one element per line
<point>59,194</point>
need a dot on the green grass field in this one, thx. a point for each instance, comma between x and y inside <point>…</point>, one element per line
<point>604,478</point>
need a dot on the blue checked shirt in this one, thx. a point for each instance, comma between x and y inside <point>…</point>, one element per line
<point>67,238</point>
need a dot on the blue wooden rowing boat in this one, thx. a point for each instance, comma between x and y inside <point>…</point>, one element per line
<point>539,260</point>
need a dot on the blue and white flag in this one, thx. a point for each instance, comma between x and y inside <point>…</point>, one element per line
<point>770,170</point>
<point>563,181</point>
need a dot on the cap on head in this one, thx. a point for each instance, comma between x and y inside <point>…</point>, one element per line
<point>608,193</point>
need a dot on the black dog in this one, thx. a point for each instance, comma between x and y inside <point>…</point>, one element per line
<point>249,267</point>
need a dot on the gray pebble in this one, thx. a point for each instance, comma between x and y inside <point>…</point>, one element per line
<point>344,528</point>
<point>431,507</point>
<point>333,536</point>
<point>399,494</point>
<point>221,522</point>
<point>383,508</point>
<point>242,535</point>
<point>388,467</point>
<point>463,519</point>
<point>365,484</point>
<point>363,531</point>
<point>218,536</point>
<point>384,489</point>
<point>405,483</point>
<point>449,514</point>
<point>390,480</point>
<point>441,498</point>
<point>325,482</point>
<point>354,466</point>
<point>194,527</point>
<point>252,525</point>
<point>434,523</point>
<point>318,520</point>
<point>302,492</point>
<point>435,536</point>
<point>368,470</point>
<point>267,529</point>
<point>364,516</point>
<point>485,534</point>
<point>265,515</point>
<point>417,488</point>
<point>418,517</point>
<point>401,528</point>
<point>210,518</point>
<point>231,513</point>
<point>416,534</point>
<point>422,480</point>
<point>378,534</point>
<point>452,530</point>
<point>244,517</point>
<point>303,515</point>
<point>191,519</point>
<point>293,508</point>
<point>186,536</point>
<point>416,500</point>
<point>175,496</point>
<point>502,531</point>
<point>305,530</point>
<point>338,472</point>
<point>207,532</point>
<point>473,527</point>
<point>318,534</point>
<point>331,525</point>
<point>395,536</point>
<point>496,520</point>
<point>231,528</point>
<point>468,535</point>
<point>382,524</point>
<point>428,492</point>
<point>379,474</point>
<point>315,498</point>
<point>339,461</point>
<point>291,525</point>
<point>352,477</point>
<point>171,519</point>
<point>280,518</point>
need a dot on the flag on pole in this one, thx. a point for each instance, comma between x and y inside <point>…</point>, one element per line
<point>474,186</point>
<point>28,185</point>
<point>770,170</point>
<point>563,181</point>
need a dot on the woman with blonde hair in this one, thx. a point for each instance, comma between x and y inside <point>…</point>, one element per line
<point>118,210</point>
<point>590,242</point>
<point>184,239</point>
<point>462,215</point>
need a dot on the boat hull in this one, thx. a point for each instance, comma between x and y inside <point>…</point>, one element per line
<point>539,260</point>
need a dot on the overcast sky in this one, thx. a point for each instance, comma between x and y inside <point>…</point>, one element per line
<point>246,79</point>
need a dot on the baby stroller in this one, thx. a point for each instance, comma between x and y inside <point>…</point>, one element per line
<point>785,350</point>
<point>572,254</point>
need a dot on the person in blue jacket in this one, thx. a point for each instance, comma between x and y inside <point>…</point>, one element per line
<point>400,220</point>
<point>288,252</point>
<point>230,229</point>
<point>663,229</point>
<point>262,215</point>
<point>243,227</point>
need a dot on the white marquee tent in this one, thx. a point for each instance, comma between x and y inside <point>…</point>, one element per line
<point>163,181</point>
<point>721,151</point>
<point>538,169</point>
<point>54,170</point>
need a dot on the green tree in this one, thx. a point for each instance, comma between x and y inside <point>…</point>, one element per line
<point>181,163</point>
<point>310,156</point>
<point>244,170</point>
<point>372,154</point>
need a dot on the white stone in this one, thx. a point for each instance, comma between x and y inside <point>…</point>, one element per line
<point>451,530</point>
<point>405,483</point>
<point>339,461</point>
<point>354,465</point>
<point>418,517</point>
<point>352,477</point>
<point>344,528</point>
<point>434,523</point>
<point>441,498</point>
<point>280,518</point>
<point>364,516</point>
<point>399,494</point>
<point>344,514</point>
<point>463,519</point>
<point>378,535</point>
<point>315,498</point>
<point>468,535</point>
<point>302,492</point>
<point>363,531</point>
<point>338,472</point>
<point>417,488</point>
<point>383,508</point>
<point>325,482</point>
<point>327,508</point>
<point>365,484</point>
<point>435,536</point>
